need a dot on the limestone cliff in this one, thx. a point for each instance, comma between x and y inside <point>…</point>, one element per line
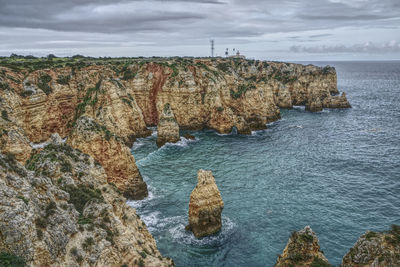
<point>108,149</point>
<point>205,206</point>
<point>125,96</point>
<point>377,249</point>
<point>167,128</point>
<point>128,95</point>
<point>302,250</point>
<point>59,210</point>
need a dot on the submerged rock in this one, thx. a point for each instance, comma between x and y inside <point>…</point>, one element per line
<point>339,101</point>
<point>301,250</point>
<point>189,137</point>
<point>167,128</point>
<point>375,249</point>
<point>205,206</point>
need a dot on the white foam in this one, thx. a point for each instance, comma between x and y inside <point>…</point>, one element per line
<point>151,220</point>
<point>179,233</point>
<point>183,142</point>
<point>137,204</point>
<point>150,156</point>
<point>139,142</point>
<point>299,107</point>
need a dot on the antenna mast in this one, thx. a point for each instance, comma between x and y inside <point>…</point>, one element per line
<point>212,48</point>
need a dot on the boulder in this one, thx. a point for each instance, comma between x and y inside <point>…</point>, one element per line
<point>302,250</point>
<point>189,137</point>
<point>167,128</point>
<point>205,206</point>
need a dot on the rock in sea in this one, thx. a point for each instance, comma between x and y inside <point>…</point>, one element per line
<point>205,206</point>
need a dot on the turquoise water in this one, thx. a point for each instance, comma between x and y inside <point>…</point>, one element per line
<point>337,171</point>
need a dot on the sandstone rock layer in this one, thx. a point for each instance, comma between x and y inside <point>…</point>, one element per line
<point>302,250</point>
<point>110,151</point>
<point>205,206</point>
<point>167,128</point>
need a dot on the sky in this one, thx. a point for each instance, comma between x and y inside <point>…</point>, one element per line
<point>271,29</point>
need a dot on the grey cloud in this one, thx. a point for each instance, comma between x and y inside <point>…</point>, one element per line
<point>368,47</point>
<point>165,24</point>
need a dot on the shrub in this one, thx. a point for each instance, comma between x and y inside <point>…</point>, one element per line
<point>220,109</point>
<point>51,208</point>
<point>26,201</point>
<point>141,263</point>
<point>41,222</point>
<point>39,234</point>
<point>128,74</point>
<point>11,260</point>
<point>306,237</point>
<point>370,235</point>
<point>89,242</point>
<point>63,79</point>
<point>84,220</point>
<point>10,164</point>
<point>242,89</point>
<point>317,262</point>
<point>4,86</point>
<point>143,254</point>
<point>26,93</point>
<point>44,84</point>
<point>80,195</point>
<point>4,115</point>
<point>223,66</point>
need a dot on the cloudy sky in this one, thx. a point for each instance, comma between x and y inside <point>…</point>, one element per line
<point>269,29</point>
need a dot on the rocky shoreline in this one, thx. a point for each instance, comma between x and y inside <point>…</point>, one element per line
<point>64,204</point>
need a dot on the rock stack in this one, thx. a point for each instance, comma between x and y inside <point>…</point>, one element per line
<point>205,206</point>
<point>301,250</point>
<point>167,128</point>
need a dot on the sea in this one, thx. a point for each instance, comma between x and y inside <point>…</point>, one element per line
<point>337,171</point>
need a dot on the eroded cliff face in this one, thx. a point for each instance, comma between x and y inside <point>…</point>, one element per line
<point>109,150</point>
<point>302,250</point>
<point>126,96</point>
<point>59,210</point>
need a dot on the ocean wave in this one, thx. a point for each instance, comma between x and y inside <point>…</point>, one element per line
<point>183,142</point>
<point>180,235</point>
<point>139,143</point>
<point>299,107</point>
<point>150,156</point>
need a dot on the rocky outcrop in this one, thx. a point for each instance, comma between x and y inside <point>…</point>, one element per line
<point>376,249</point>
<point>167,128</point>
<point>302,250</point>
<point>14,141</point>
<point>59,210</point>
<point>109,150</point>
<point>205,206</point>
